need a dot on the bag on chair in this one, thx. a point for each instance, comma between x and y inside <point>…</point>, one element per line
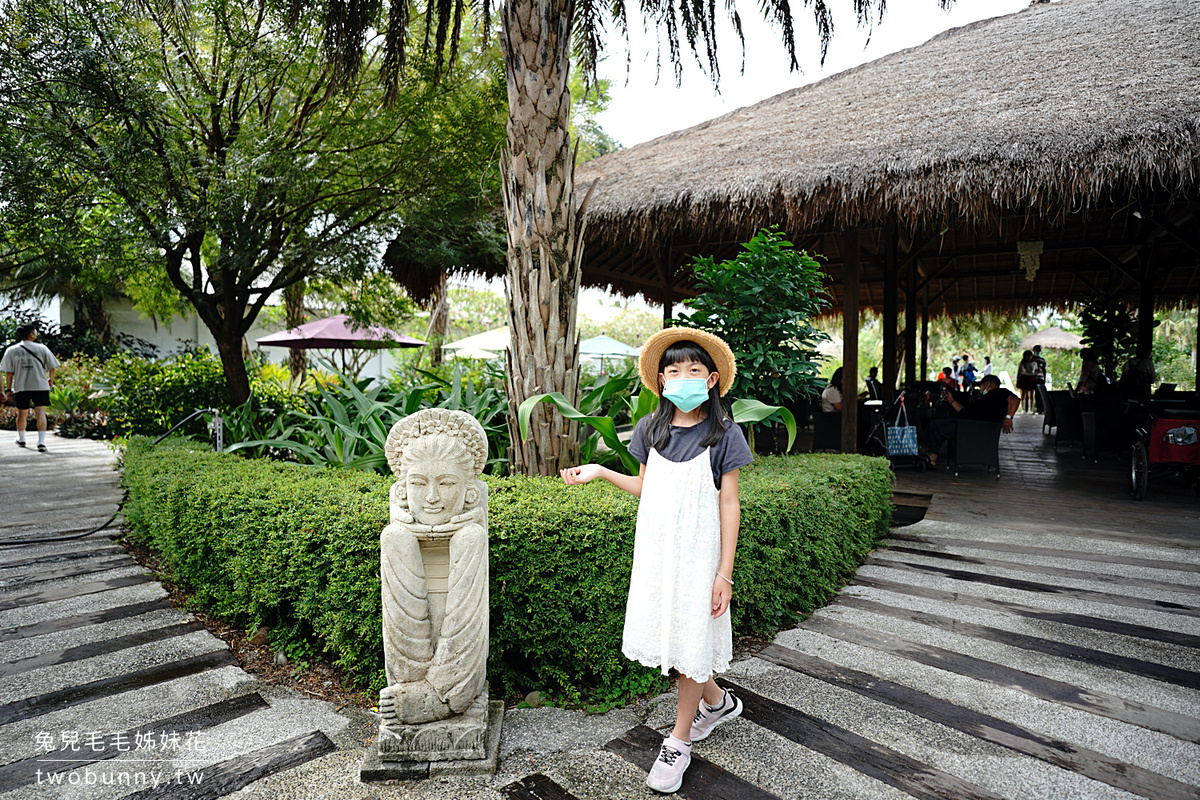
<point>902,437</point>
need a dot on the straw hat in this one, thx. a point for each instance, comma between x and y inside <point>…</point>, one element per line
<point>714,345</point>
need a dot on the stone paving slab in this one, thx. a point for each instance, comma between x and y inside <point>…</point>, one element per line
<point>47,679</point>
<point>1048,600</point>
<point>127,710</point>
<point>1130,646</point>
<point>82,604</point>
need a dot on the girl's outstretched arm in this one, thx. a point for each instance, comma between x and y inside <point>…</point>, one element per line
<point>731,521</point>
<point>575,476</point>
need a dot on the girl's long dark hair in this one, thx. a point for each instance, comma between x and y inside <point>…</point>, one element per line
<point>658,429</point>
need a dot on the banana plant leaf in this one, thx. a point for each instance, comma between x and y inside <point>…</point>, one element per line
<point>603,425</point>
<point>751,411</point>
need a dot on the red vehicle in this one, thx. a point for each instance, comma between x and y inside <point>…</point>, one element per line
<point>1169,442</point>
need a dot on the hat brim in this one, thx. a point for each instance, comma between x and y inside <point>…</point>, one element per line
<point>712,344</point>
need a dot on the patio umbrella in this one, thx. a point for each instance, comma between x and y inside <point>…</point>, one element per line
<point>1054,338</point>
<point>491,342</point>
<point>603,345</point>
<point>337,333</point>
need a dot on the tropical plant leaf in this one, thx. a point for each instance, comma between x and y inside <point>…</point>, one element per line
<point>603,425</point>
<point>752,411</point>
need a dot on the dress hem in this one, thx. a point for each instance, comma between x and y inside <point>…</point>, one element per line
<point>655,662</point>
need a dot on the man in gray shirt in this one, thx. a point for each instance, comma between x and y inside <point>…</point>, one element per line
<point>28,369</point>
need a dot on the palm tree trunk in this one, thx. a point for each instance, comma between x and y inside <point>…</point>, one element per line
<point>439,321</point>
<point>545,231</point>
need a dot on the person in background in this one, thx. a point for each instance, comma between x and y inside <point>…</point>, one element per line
<point>28,369</point>
<point>831,398</point>
<point>993,405</point>
<point>987,368</point>
<point>956,371</point>
<point>1027,379</point>
<point>874,387</point>
<point>1041,376</point>
<point>1138,378</point>
<point>947,378</point>
<point>968,372</point>
<point>1091,377</point>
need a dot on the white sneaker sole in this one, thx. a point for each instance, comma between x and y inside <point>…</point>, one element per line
<point>737,712</point>
<point>670,789</point>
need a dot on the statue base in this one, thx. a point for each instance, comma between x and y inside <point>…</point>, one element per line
<point>433,749</point>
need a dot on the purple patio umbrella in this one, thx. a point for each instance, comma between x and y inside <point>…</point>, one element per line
<point>337,333</point>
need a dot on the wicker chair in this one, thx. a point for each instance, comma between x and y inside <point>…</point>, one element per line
<point>977,443</point>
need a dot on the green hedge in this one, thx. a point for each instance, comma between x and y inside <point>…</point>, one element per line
<point>296,548</point>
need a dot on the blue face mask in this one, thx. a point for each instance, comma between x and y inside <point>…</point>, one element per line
<point>686,393</point>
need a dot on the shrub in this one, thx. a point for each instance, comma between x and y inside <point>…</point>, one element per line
<point>84,425</point>
<point>149,396</point>
<point>75,385</point>
<point>296,548</point>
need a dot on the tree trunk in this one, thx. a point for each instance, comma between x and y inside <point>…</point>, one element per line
<point>293,303</point>
<point>545,231</point>
<point>439,321</point>
<point>91,316</point>
<point>229,348</point>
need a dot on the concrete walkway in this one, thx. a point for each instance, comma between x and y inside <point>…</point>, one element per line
<point>106,690</point>
<point>966,660</point>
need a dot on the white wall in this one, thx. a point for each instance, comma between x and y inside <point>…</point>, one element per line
<point>169,337</point>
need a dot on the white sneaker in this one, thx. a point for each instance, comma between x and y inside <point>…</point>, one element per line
<point>709,717</point>
<point>666,775</point>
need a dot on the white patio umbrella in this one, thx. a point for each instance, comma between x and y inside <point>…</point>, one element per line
<point>602,346</point>
<point>488,344</point>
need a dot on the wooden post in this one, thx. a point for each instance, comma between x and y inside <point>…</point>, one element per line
<point>910,323</point>
<point>666,273</point>
<point>890,315</point>
<point>1145,329</point>
<point>924,376</point>
<point>850,287</point>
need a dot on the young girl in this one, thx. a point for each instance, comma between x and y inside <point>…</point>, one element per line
<point>687,529</point>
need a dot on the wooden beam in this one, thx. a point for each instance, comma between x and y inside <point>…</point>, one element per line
<point>910,324</point>
<point>850,250</point>
<point>925,341</point>
<point>891,281</point>
<point>665,273</point>
<point>1145,320</point>
<point>1188,241</point>
<point>1117,265</point>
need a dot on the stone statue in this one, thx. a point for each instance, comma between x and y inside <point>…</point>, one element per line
<point>434,570</point>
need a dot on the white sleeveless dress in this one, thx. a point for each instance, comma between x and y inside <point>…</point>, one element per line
<point>676,551</point>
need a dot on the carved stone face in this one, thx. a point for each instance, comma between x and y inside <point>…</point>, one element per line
<point>436,491</point>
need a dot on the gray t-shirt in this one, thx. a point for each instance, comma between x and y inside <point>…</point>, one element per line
<point>729,454</point>
<point>28,362</point>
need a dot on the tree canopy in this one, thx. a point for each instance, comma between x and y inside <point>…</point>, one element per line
<point>221,142</point>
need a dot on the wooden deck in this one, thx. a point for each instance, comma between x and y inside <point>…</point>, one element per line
<point>1058,491</point>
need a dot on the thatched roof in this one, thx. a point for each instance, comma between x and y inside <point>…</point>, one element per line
<point>1053,337</point>
<point>1012,128</point>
